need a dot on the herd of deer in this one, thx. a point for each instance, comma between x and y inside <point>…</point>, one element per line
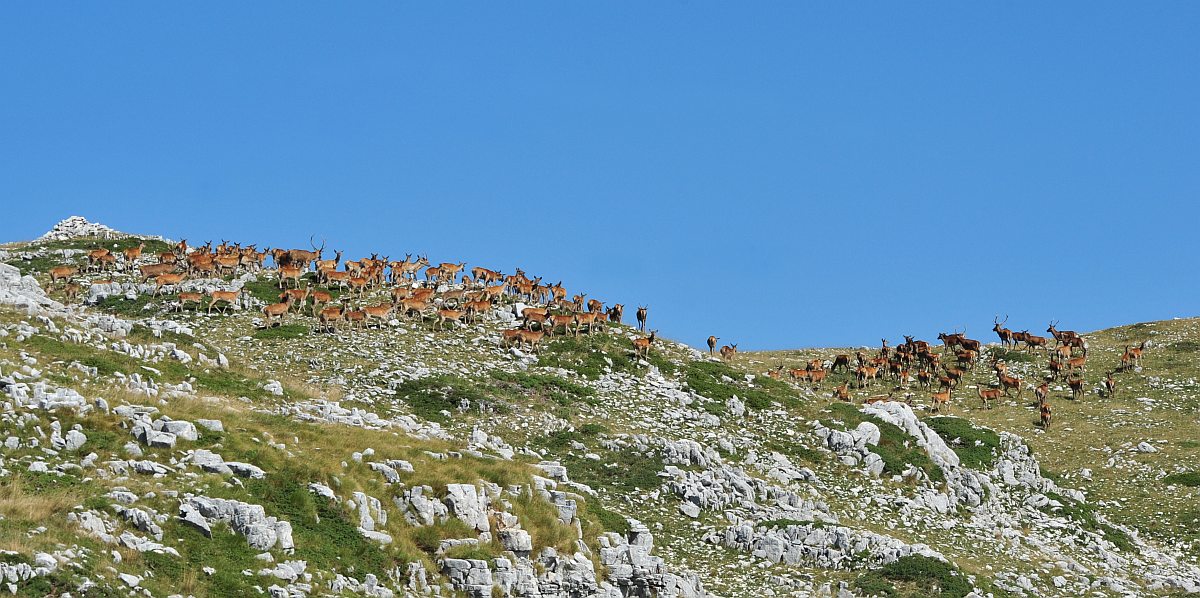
<point>409,291</point>
<point>545,310</point>
<point>917,361</point>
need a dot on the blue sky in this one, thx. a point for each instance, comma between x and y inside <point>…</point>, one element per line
<point>778,174</point>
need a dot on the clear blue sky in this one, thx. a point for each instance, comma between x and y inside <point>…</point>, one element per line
<point>779,174</point>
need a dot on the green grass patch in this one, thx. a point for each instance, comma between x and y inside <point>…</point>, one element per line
<point>143,335</point>
<point>720,382</point>
<point>976,447</point>
<point>142,306</point>
<point>429,397</point>
<point>1190,478</point>
<point>622,471</point>
<point>782,523</point>
<point>917,576</point>
<point>283,332</point>
<point>1012,355</point>
<point>896,448</point>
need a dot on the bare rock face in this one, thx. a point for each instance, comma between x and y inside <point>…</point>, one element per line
<point>78,226</point>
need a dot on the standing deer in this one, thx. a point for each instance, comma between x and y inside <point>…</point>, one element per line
<point>641,317</point>
<point>1110,385</point>
<point>641,346</point>
<point>1006,335</point>
<point>712,344</point>
<point>1044,412</point>
<point>728,351</point>
<point>990,394</point>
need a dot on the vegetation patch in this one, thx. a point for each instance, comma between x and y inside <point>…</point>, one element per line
<point>720,382</point>
<point>1012,355</point>
<point>916,576</point>
<point>976,447</point>
<point>141,306</point>
<point>432,397</point>
<point>1085,515</point>
<point>283,332</point>
<point>896,448</point>
<point>621,471</point>
<point>1190,478</point>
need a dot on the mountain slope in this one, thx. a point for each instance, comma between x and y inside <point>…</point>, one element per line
<point>420,456</point>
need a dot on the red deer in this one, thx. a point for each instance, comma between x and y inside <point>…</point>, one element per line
<point>476,308</point>
<point>565,321</point>
<point>228,297</point>
<point>71,290</point>
<point>592,320</point>
<point>955,375</point>
<point>414,306</point>
<point>967,358</point>
<point>1133,355</point>
<point>641,346</point>
<point>1008,383</point>
<point>1044,413</point>
<point>63,273</point>
<point>940,399</point>
<point>842,392</point>
<point>1067,337</point>
<point>1042,392</point>
<point>355,318</point>
<point>449,315</point>
<point>1110,385</point>
<point>988,395</point>
<point>925,378</point>
<point>728,351</point>
<point>816,377</point>
<point>289,273</point>
<point>1006,335</point>
<point>866,375</point>
<point>299,296</point>
<point>153,270</point>
<point>186,298</point>
<point>1077,363</point>
<point>712,345</point>
<point>163,280</point>
<point>842,362</point>
<point>328,318</point>
<point>319,298</point>
<point>1033,341</point>
<point>641,318</point>
<point>379,313</point>
<point>1058,369</point>
<point>133,254</point>
<point>616,312</point>
<point>330,264</point>
<point>508,338</point>
<point>531,338</point>
<point>1076,385</point>
<point>277,310</point>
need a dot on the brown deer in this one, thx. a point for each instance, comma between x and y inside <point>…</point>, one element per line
<point>641,346</point>
<point>163,280</point>
<point>153,270</point>
<point>842,392</point>
<point>1076,384</point>
<point>277,311</point>
<point>299,296</point>
<point>866,375</point>
<point>71,290</point>
<point>228,297</point>
<point>289,273</point>
<point>616,313</point>
<point>1077,363</point>
<point>641,317</point>
<point>1110,385</point>
<point>532,338</point>
<point>186,298</point>
<point>1006,335</point>
<point>712,344</point>
<point>1044,415</point>
<point>841,362</point>
<point>940,399</point>
<point>728,351</point>
<point>379,313</point>
<point>1133,355</point>
<point>1034,341</point>
<point>1008,383</point>
<point>449,315</point>
<point>554,321</point>
<point>329,317</point>
<point>63,273</point>
<point>132,255</point>
<point>355,318</point>
<point>1042,392</point>
<point>988,395</point>
<point>319,298</point>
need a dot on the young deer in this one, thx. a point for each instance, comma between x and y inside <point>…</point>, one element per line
<point>728,351</point>
<point>641,346</point>
<point>1044,412</point>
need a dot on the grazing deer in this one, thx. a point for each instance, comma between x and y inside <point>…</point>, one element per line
<point>71,290</point>
<point>1006,335</point>
<point>1110,385</point>
<point>1044,413</point>
<point>278,311</point>
<point>925,378</point>
<point>728,351</point>
<point>712,344</point>
<point>988,395</point>
<point>641,317</point>
<point>63,273</point>
<point>186,298</point>
<point>228,297</point>
<point>641,346</point>
<point>1076,385</point>
<point>940,399</point>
